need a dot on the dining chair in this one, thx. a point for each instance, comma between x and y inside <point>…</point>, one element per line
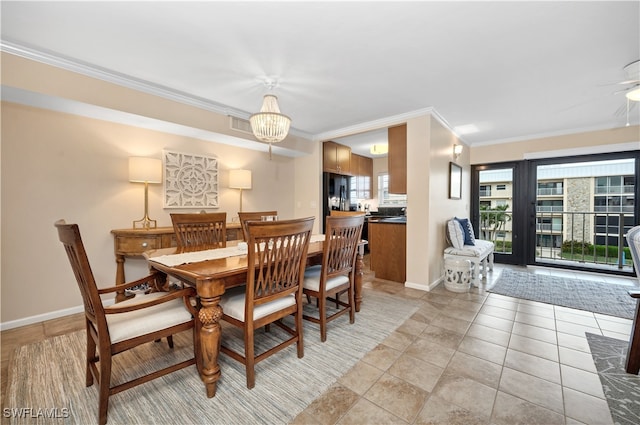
<point>122,326</point>
<point>276,258</point>
<point>336,274</point>
<point>253,215</point>
<point>633,353</point>
<point>200,231</point>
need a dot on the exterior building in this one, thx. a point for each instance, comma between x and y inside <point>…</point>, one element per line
<point>581,202</point>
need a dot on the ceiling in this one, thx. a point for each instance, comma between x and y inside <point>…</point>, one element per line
<point>510,70</point>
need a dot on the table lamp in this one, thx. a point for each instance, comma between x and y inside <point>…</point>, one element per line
<point>145,170</point>
<point>240,179</point>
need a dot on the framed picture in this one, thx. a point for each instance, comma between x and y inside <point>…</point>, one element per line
<point>190,181</point>
<point>455,181</point>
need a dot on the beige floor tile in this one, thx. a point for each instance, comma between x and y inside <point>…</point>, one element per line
<point>467,304</point>
<point>573,342</point>
<point>412,327</point>
<point>422,374</point>
<point>492,335</point>
<point>453,324</point>
<point>365,412</point>
<point>577,359</point>
<point>332,405</point>
<point>397,396</point>
<point>480,370</point>
<point>431,352</point>
<point>623,328</point>
<point>442,336</point>
<point>494,322</point>
<point>532,389</point>
<point>494,311</point>
<point>398,340</point>
<point>467,393</point>
<point>509,410</point>
<point>535,332</point>
<point>535,320</point>
<point>502,301</point>
<point>381,357</point>
<point>459,313</point>
<point>533,365</point>
<point>577,319</point>
<point>534,347</point>
<point>586,408</point>
<point>485,350</point>
<point>440,412</point>
<point>581,380</point>
<point>576,329</point>
<point>361,377</point>
<point>545,310</point>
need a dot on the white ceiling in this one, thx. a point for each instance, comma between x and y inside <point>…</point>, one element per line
<point>514,70</point>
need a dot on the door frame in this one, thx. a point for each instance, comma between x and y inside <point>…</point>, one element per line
<point>520,212</point>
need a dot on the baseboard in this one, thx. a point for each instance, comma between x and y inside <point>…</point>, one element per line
<point>46,316</point>
<point>423,287</point>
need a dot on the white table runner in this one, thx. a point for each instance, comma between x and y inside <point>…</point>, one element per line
<point>173,260</point>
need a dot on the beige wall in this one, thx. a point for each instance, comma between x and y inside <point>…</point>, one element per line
<point>617,139</point>
<point>429,151</point>
<point>57,165</point>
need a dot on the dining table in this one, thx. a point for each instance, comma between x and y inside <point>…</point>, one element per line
<point>211,272</point>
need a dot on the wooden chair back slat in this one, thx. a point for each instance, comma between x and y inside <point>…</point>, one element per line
<point>251,216</point>
<point>197,232</point>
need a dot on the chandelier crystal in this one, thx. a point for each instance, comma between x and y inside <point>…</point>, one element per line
<point>269,125</point>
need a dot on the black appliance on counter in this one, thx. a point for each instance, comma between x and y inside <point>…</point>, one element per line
<point>336,194</point>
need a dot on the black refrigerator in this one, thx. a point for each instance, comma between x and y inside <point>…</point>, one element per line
<point>336,194</point>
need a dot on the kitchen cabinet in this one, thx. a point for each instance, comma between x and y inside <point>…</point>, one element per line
<point>336,158</point>
<point>397,159</point>
<point>388,249</point>
<point>362,169</point>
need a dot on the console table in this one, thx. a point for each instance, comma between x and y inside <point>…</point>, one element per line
<point>133,242</point>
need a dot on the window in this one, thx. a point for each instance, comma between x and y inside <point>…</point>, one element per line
<point>501,187</point>
<point>485,190</point>
<point>386,198</point>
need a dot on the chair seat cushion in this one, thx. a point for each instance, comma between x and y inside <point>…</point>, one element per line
<point>129,325</point>
<point>312,279</point>
<point>233,300</point>
<point>480,249</point>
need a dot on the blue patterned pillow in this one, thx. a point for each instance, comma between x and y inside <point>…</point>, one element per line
<point>467,228</point>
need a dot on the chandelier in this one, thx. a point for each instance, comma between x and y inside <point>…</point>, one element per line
<point>269,125</point>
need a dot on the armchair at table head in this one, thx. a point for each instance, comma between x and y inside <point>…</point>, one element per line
<point>125,325</point>
<point>252,216</point>
<point>337,273</point>
<point>277,256</point>
<point>197,232</point>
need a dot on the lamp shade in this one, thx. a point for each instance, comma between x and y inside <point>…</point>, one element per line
<point>143,170</point>
<point>269,125</point>
<point>634,95</point>
<point>240,179</point>
<point>379,149</point>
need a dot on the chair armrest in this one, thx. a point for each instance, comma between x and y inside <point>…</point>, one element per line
<point>185,293</point>
<point>635,293</point>
<point>147,279</point>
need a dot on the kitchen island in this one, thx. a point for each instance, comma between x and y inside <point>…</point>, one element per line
<point>388,247</point>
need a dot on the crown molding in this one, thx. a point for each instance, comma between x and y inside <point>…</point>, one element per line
<point>383,123</point>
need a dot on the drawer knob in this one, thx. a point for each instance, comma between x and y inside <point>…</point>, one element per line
<point>144,244</point>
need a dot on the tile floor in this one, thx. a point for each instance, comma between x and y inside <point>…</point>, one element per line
<point>477,358</point>
<point>472,358</point>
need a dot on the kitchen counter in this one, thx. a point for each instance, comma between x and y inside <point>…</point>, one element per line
<point>386,219</point>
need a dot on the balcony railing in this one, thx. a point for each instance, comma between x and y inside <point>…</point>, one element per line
<point>615,189</point>
<point>589,239</point>
<point>550,191</point>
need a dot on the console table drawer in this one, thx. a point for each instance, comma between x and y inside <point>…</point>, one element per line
<point>129,245</point>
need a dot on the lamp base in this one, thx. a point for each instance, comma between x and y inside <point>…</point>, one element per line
<point>145,223</point>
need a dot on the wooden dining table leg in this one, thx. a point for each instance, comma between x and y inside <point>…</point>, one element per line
<point>357,279</point>
<point>209,316</point>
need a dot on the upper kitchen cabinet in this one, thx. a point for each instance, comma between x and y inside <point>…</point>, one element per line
<point>362,169</point>
<point>397,159</point>
<point>336,158</point>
